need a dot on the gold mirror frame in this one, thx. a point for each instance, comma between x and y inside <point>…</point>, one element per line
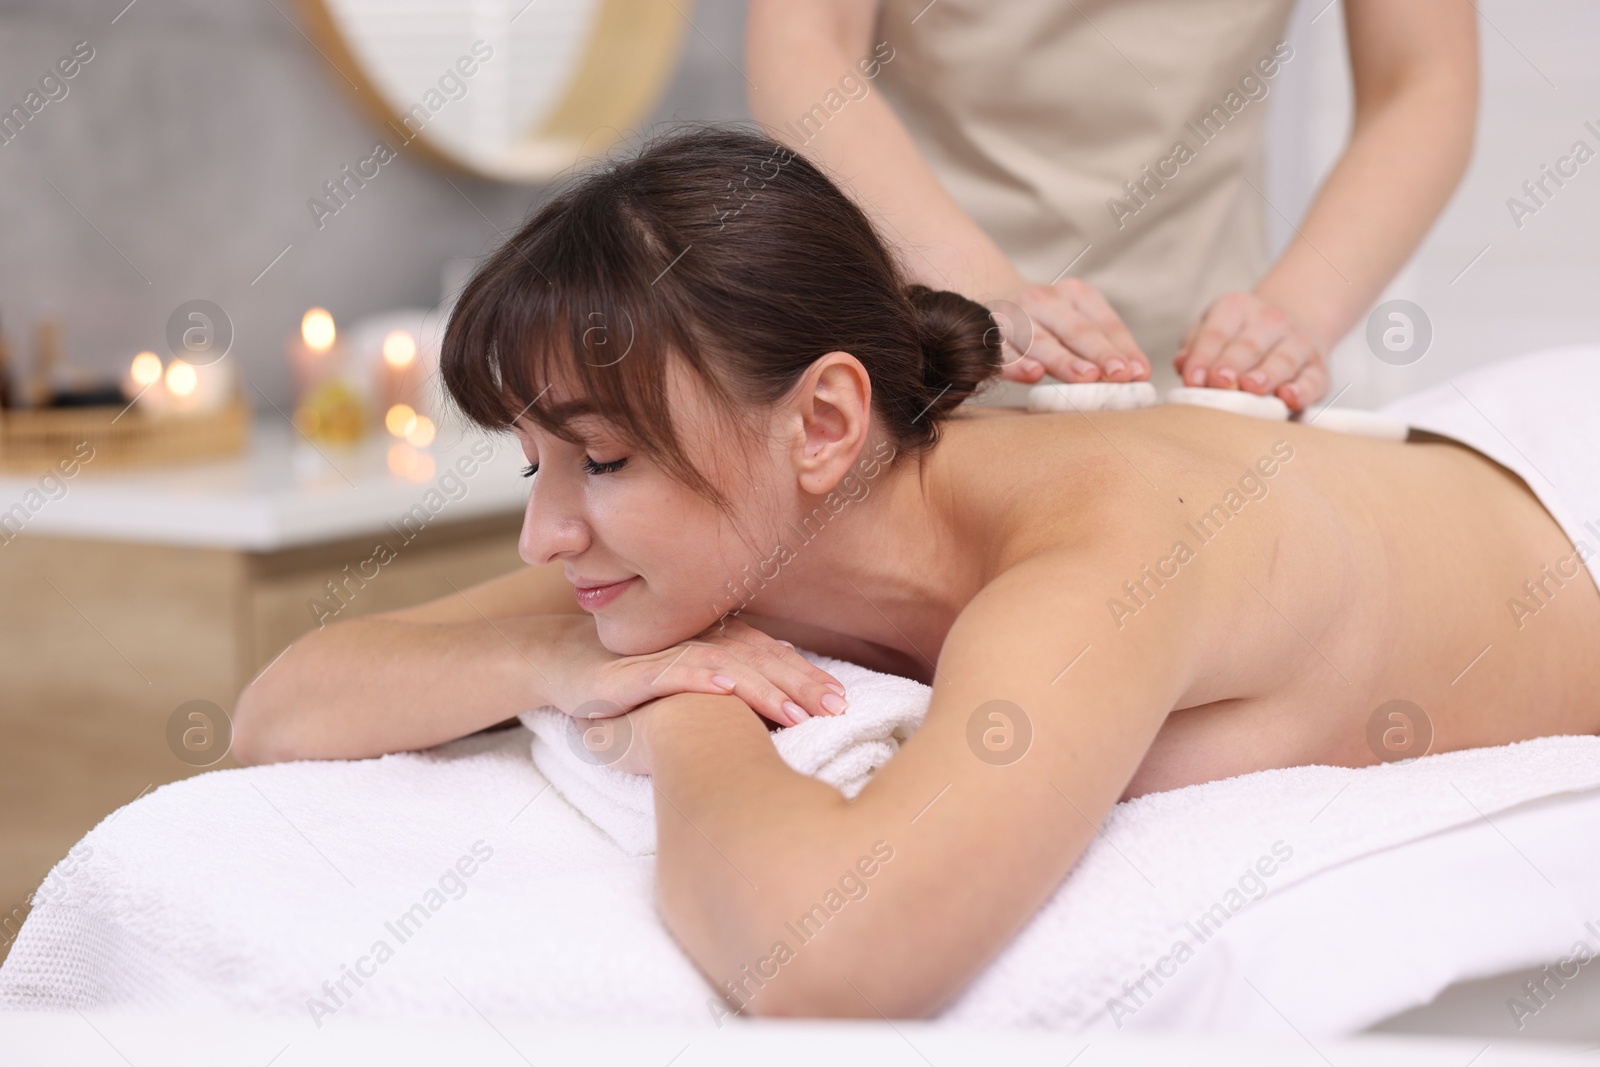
<point>631,53</point>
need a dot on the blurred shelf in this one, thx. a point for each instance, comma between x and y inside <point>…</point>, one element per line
<point>280,493</point>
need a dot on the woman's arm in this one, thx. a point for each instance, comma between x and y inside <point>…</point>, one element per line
<point>424,675</point>
<point>412,678</point>
<point>953,846</point>
<point>1415,69</point>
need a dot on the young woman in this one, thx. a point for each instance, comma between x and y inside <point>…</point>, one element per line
<point>744,429</point>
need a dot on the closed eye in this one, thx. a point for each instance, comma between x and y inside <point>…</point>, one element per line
<point>609,467</point>
<point>590,465</point>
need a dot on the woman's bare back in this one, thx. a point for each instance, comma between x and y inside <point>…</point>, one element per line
<point>1339,574</point>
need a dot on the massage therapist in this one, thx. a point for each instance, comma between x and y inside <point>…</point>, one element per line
<point>1099,164</point>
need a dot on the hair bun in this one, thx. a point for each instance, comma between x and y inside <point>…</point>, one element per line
<point>960,345</point>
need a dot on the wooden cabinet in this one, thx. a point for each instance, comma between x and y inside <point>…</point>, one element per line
<point>100,642</point>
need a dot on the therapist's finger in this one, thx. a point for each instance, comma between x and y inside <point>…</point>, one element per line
<point>1098,310</point>
<point>1047,355</point>
<point>1015,328</point>
<point>1309,386</point>
<point>1183,346</point>
<point>1261,331</point>
<point>1222,320</point>
<point>1285,360</point>
<point>1079,335</point>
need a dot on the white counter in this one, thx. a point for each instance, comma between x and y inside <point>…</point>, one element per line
<point>281,493</point>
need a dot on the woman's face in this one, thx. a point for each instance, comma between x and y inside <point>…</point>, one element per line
<point>608,515</point>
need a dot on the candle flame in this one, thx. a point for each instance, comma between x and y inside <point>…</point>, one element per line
<point>145,369</point>
<point>181,378</point>
<point>399,349</point>
<point>421,431</point>
<point>400,419</point>
<point>316,329</point>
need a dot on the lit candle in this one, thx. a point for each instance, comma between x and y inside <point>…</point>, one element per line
<point>398,385</point>
<point>316,329</point>
<point>144,383</point>
<point>316,354</point>
<point>399,419</point>
<point>402,421</point>
<point>199,388</point>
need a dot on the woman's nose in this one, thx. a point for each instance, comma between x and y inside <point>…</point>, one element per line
<point>550,529</point>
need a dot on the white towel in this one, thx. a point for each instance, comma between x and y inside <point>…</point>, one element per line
<point>1535,415</point>
<point>843,750</point>
<point>252,888</point>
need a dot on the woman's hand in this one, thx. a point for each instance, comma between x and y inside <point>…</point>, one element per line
<point>1068,330</point>
<point>588,681</point>
<point>1245,342</point>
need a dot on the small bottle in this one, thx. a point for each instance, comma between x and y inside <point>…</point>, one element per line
<point>7,399</point>
<point>46,354</point>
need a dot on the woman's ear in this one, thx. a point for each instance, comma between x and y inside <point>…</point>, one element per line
<point>833,407</point>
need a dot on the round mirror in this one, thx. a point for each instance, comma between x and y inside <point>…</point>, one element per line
<point>516,90</point>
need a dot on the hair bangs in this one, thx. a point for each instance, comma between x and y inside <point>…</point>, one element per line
<point>574,322</point>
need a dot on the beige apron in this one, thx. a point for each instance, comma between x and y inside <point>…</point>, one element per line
<point>1120,138</point>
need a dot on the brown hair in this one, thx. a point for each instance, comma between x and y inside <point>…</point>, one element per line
<point>739,256</point>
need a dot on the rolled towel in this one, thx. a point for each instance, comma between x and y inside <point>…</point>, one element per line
<point>843,750</point>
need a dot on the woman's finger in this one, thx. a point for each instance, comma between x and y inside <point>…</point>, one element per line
<point>1078,335</point>
<point>1292,352</point>
<point>1221,321</point>
<point>702,667</point>
<point>769,700</point>
<point>1183,346</point>
<point>1309,386</point>
<point>1093,304</point>
<point>1263,328</point>
<point>815,690</point>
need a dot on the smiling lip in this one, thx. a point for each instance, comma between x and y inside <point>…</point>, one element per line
<point>595,597</point>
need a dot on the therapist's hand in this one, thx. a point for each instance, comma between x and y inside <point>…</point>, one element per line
<point>1245,342</point>
<point>1067,329</point>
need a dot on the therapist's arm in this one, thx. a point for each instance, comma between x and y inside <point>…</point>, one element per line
<point>1415,71</point>
<point>796,54</point>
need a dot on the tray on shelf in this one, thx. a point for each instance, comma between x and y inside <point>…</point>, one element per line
<point>31,441</point>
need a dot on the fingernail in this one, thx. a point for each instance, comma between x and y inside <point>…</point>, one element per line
<point>1225,375</point>
<point>835,686</point>
<point>723,680</point>
<point>1114,366</point>
<point>1197,375</point>
<point>796,712</point>
<point>833,702</point>
<point>784,643</point>
<point>1255,380</point>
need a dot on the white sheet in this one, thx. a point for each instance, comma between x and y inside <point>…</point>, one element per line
<point>1535,415</point>
<point>252,888</point>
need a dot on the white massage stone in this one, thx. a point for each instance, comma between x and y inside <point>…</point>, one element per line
<point>1092,396</point>
<point>1234,400</point>
<point>1360,423</point>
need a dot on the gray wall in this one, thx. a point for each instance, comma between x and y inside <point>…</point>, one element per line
<point>195,136</point>
<point>184,153</point>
